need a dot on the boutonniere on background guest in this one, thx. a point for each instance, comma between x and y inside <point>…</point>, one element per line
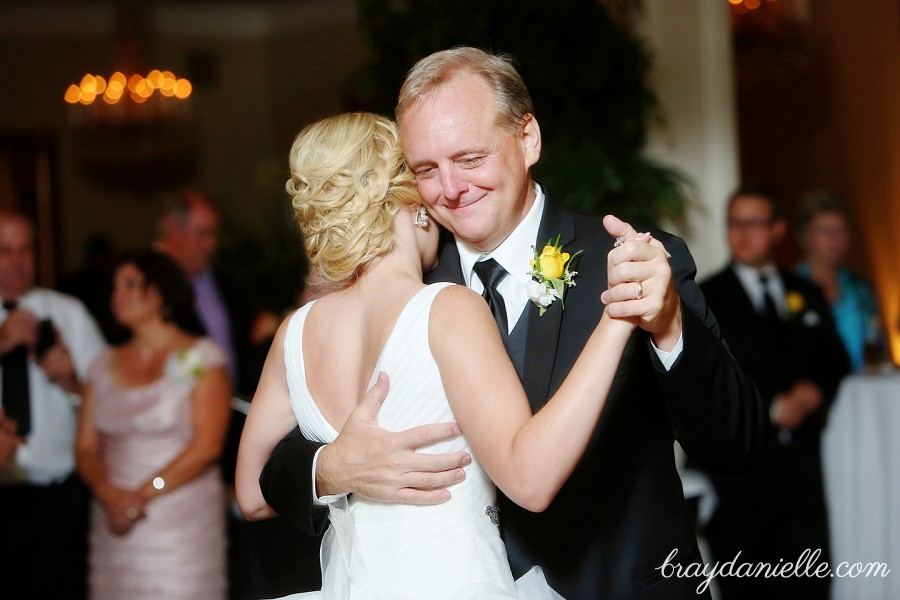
<point>185,365</point>
<point>797,309</point>
<point>550,275</point>
<point>795,303</point>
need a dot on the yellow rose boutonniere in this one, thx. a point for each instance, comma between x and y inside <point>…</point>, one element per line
<point>550,275</point>
<point>795,303</point>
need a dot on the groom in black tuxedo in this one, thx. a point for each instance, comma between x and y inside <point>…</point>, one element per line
<point>780,329</point>
<point>471,144</point>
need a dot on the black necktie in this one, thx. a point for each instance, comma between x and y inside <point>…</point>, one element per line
<point>16,401</point>
<point>491,273</point>
<point>771,312</point>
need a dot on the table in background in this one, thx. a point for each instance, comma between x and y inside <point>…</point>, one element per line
<point>861,462</point>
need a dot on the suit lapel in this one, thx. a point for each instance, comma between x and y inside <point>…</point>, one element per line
<point>448,267</point>
<point>746,307</point>
<point>543,332</point>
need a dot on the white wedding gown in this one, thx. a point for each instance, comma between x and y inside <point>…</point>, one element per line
<point>375,550</point>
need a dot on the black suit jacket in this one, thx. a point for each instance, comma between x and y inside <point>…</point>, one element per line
<point>806,347</point>
<point>622,511</point>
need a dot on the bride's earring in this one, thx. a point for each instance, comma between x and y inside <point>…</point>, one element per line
<point>421,218</point>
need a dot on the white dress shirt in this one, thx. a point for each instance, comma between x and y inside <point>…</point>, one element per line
<point>749,278</point>
<point>513,254</point>
<point>48,454</point>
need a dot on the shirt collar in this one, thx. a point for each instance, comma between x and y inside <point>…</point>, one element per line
<point>749,278</point>
<point>514,252</point>
<point>748,273</point>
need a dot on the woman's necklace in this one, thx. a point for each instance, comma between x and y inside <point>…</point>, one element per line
<point>148,353</point>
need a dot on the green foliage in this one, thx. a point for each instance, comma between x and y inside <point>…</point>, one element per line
<point>261,260</point>
<point>587,76</point>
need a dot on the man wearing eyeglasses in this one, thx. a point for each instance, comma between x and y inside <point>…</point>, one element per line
<point>780,330</point>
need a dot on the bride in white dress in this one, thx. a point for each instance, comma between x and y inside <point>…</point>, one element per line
<point>358,210</point>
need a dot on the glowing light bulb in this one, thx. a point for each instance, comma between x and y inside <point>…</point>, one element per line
<point>73,94</point>
<point>183,89</point>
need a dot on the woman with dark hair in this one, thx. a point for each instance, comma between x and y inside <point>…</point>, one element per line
<point>152,424</point>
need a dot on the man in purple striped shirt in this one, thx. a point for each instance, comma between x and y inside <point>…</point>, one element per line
<point>189,234</point>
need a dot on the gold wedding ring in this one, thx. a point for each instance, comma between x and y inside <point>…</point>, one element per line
<point>640,293</point>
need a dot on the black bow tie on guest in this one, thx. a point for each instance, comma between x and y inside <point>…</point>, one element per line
<point>16,400</point>
<point>491,274</point>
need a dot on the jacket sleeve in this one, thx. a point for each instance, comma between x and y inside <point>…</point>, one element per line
<point>287,483</point>
<point>715,409</point>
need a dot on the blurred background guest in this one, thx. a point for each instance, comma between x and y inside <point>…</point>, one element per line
<point>822,230</point>
<point>47,342</point>
<point>189,234</point>
<point>780,330</point>
<point>152,426</point>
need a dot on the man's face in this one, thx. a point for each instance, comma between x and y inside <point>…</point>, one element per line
<point>194,244</point>
<point>472,174</point>
<point>16,257</point>
<point>753,234</point>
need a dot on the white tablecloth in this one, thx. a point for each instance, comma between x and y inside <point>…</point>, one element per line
<point>861,462</point>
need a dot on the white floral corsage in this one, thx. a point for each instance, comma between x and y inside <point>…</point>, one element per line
<point>550,275</point>
<point>185,364</point>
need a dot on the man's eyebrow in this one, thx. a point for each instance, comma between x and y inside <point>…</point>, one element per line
<point>419,163</point>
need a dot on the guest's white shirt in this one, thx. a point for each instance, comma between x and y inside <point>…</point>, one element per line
<point>48,454</point>
<point>749,279</point>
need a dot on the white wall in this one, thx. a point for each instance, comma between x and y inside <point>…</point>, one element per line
<point>692,77</point>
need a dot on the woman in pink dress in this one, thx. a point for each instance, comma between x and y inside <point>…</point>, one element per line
<point>151,429</point>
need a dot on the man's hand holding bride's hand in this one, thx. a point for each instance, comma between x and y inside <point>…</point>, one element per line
<point>383,465</point>
<point>641,285</point>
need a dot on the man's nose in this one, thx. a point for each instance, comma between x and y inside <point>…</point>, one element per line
<point>453,186</point>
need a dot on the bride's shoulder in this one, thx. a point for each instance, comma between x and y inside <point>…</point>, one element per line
<point>457,296</point>
<point>457,304</point>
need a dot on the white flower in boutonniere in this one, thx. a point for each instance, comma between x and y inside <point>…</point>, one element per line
<point>550,275</point>
<point>185,364</point>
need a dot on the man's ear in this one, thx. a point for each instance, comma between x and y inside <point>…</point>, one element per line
<point>531,139</point>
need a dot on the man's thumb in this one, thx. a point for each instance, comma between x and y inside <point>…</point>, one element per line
<point>616,227</point>
<point>375,396</point>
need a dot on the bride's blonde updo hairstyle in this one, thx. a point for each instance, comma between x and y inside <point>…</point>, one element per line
<point>348,181</point>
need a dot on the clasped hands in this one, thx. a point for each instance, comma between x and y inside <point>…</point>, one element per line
<point>123,507</point>
<point>385,466</point>
<point>791,408</point>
